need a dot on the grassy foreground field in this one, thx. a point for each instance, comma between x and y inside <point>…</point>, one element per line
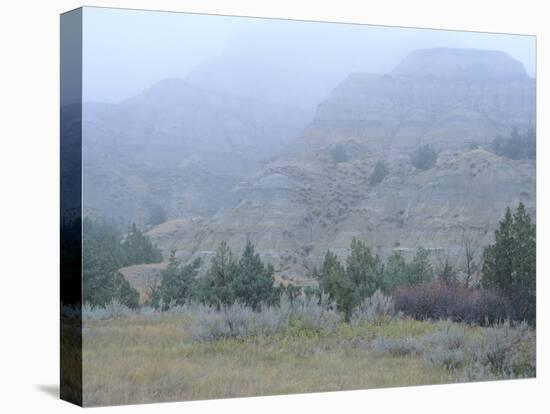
<point>150,358</point>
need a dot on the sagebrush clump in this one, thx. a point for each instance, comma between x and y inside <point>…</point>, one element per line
<point>397,346</point>
<point>239,321</point>
<point>504,351</point>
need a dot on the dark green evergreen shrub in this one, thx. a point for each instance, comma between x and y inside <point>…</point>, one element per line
<point>424,158</point>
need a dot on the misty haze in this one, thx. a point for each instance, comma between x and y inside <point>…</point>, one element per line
<point>347,206</point>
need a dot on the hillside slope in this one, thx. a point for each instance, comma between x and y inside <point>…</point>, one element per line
<point>177,146</point>
<point>303,202</point>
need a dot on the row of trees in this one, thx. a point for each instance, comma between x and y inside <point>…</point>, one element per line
<point>364,273</point>
<point>509,270</point>
<point>249,281</point>
<point>516,146</point>
<point>228,280</point>
<point>105,251</point>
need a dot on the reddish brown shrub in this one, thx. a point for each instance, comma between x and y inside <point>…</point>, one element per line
<point>456,302</point>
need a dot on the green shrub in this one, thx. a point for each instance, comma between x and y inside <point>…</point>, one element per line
<point>338,154</point>
<point>424,158</point>
<point>380,172</point>
<point>157,215</point>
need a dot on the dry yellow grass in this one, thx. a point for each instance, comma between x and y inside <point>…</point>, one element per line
<point>140,359</point>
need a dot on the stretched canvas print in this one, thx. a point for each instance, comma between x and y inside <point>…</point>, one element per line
<point>259,206</point>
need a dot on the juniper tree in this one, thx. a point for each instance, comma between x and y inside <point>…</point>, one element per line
<point>104,255</point>
<point>254,283</point>
<point>498,258</point>
<point>509,265</point>
<point>364,270</point>
<point>395,271</point>
<point>177,284</point>
<point>345,293</point>
<point>335,281</point>
<point>323,274</point>
<point>217,285</point>
<point>100,262</point>
<point>137,248</point>
<point>420,270</point>
<point>124,292</point>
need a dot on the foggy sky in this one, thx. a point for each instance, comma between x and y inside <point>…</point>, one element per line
<point>126,51</point>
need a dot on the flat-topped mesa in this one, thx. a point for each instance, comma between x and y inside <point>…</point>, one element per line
<point>460,64</point>
<point>444,97</point>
